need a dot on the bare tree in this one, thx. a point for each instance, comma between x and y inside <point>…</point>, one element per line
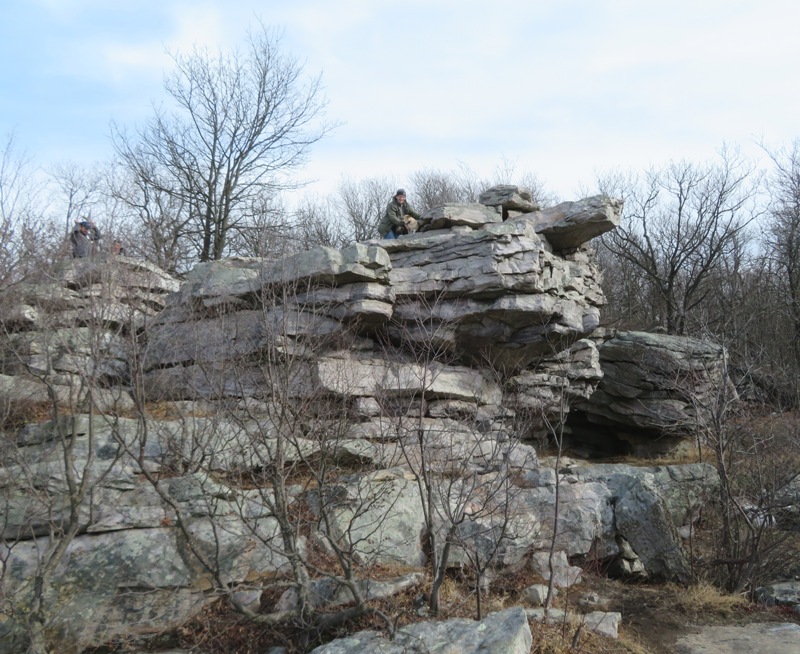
<point>782,242</point>
<point>277,442</point>
<point>80,188</point>
<point>433,188</point>
<point>318,223</point>
<point>362,205</point>
<point>758,463</point>
<point>156,218</point>
<point>241,124</point>
<point>50,481</point>
<point>681,224</point>
<point>461,470</point>
<point>25,240</point>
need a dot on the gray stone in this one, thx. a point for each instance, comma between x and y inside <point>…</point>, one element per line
<point>564,575</point>
<point>510,198</point>
<point>650,504</point>
<point>233,280</point>
<point>557,381</point>
<point>367,407</point>
<point>330,592</point>
<point>787,499</point>
<point>124,272</point>
<point>132,580</point>
<point>620,512</point>
<point>233,335</point>
<point>594,602</point>
<point>498,292</point>
<point>487,537</point>
<point>786,593</point>
<point>377,377</point>
<point>537,594</point>
<point>504,632</point>
<point>32,392</point>
<point>471,215</point>
<point>249,599</point>
<point>379,516</point>
<point>570,224</point>
<point>775,638</point>
<point>656,390</point>
<point>605,623</point>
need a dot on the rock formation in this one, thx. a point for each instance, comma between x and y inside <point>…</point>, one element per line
<point>67,329</point>
<point>657,390</point>
<point>505,631</point>
<point>203,444</point>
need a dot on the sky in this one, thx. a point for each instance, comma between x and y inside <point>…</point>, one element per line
<point>561,89</point>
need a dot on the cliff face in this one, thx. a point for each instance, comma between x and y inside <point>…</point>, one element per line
<point>491,300</point>
<point>306,420</point>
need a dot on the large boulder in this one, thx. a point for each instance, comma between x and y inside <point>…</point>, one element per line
<point>570,224</point>
<point>504,632</point>
<point>656,391</point>
<point>470,215</point>
<point>243,282</point>
<point>628,516</point>
<point>511,199</point>
<point>483,295</point>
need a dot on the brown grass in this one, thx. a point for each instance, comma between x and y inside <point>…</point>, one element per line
<point>570,638</point>
<point>691,454</point>
<point>708,600</point>
<point>20,413</point>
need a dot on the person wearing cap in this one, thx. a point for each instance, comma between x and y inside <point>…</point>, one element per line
<point>83,238</point>
<point>394,218</point>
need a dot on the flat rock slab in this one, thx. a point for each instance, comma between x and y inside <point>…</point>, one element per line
<point>504,632</point>
<point>786,593</point>
<point>775,638</point>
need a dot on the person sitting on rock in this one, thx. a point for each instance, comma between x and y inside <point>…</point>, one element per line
<point>83,238</point>
<point>399,218</point>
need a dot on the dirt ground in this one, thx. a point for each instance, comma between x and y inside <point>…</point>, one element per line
<point>655,616</point>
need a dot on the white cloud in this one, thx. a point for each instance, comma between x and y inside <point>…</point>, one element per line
<point>562,88</point>
<point>198,24</point>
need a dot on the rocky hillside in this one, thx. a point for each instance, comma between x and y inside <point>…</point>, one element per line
<point>298,438</point>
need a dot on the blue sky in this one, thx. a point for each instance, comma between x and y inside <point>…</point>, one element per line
<point>560,88</point>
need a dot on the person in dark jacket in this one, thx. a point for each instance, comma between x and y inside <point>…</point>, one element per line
<point>83,238</point>
<point>397,213</point>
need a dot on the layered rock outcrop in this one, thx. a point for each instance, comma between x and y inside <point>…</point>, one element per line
<point>658,394</point>
<point>361,403</point>
<point>68,330</point>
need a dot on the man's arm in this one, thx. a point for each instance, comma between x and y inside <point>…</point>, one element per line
<point>394,215</point>
<point>411,212</point>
